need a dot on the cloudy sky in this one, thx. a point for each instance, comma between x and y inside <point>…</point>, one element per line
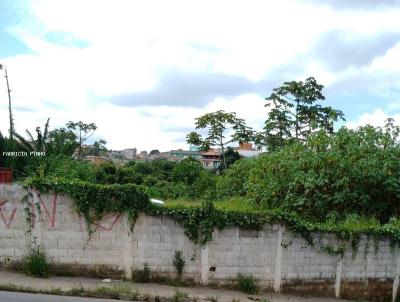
<point>143,70</point>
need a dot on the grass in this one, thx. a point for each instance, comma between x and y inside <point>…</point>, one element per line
<point>237,204</point>
<point>178,296</point>
<point>352,223</point>
<point>142,275</point>
<point>247,284</point>
<point>35,262</point>
<point>122,292</point>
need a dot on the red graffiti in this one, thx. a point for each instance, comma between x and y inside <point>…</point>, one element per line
<point>114,218</point>
<point>12,216</point>
<point>51,218</point>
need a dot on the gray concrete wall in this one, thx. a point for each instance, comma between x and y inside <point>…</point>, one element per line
<point>279,259</point>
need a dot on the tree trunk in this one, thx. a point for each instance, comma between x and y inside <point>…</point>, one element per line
<point>9,107</point>
<point>223,154</point>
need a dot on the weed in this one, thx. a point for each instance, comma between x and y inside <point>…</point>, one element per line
<point>247,284</point>
<point>179,263</point>
<point>178,296</point>
<point>35,262</point>
<point>142,275</point>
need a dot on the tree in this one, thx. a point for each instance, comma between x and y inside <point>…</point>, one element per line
<point>231,157</point>
<point>98,148</point>
<point>220,124</point>
<point>39,143</point>
<point>187,170</point>
<point>3,147</point>
<point>333,175</point>
<point>61,141</point>
<point>154,152</point>
<point>11,120</point>
<point>295,113</point>
<point>82,131</point>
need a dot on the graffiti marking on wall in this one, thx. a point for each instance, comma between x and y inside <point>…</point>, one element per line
<point>6,221</point>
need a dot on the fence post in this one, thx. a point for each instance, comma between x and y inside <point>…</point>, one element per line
<point>278,260</point>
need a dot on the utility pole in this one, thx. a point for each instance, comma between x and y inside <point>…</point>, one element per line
<point>9,103</point>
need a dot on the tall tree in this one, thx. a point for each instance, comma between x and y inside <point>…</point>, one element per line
<point>295,113</point>
<point>61,141</point>
<point>82,131</point>
<point>11,120</point>
<point>98,148</point>
<point>34,144</point>
<point>231,157</point>
<point>220,124</point>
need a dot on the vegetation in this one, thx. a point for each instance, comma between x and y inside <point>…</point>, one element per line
<point>247,284</point>
<point>217,124</point>
<point>310,177</point>
<point>179,296</point>
<point>142,275</point>
<point>179,263</point>
<point>294,114</point>
<point>35,262</point>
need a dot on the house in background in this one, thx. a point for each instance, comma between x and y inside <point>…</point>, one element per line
<point>246,150</point>
<point>178,155</point>
<point>211,159</point>
<point>94,159</point>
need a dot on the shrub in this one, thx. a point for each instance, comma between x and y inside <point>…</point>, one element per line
<point>179,263</point>
<point>247,284</point>
<point>351,171</point>
<point>178,296</point>
<point>234,180</point>
<point>35,262</point>
<point>142,275</point>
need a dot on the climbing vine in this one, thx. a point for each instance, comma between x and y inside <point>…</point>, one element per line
<point>93,201</point>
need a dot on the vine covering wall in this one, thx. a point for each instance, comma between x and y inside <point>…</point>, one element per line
<point>216,244</point>
<point>93,201</point>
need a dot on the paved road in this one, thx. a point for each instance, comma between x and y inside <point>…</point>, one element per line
<point>24,297</point>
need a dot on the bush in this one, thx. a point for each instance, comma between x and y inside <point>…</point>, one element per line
<point>35,262</point>
<point>247,284</point>
<point>142,275</point>
<point>235,179</point>
<point>179,263</point>
<point>351,171</point>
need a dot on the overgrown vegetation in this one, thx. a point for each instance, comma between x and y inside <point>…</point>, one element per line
<point>35,262</point>
<point>310,177</point>
<point>247,284</point>
<point>179,296</point>
<point>142,275</point>
<point>179,263</point>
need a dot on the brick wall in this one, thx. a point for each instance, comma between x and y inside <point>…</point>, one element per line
<point>279,259</point>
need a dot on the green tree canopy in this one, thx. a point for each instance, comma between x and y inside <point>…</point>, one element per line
<point>82,131</point>
<point>219,126</point>
<point>296,113</point>
<point>351,171</point>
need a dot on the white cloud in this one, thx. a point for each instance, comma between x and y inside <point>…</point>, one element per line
<point>376,118</point>
<point>130,44</point>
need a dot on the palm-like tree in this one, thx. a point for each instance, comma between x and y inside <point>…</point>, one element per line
<point>39,144</point>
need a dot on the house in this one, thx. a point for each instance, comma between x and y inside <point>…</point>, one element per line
<point>178,155</point>
<point>247,150</point>
<point>211,159</point>
<point>94,159</point>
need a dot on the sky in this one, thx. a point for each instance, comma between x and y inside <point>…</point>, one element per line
<point>142,71</point>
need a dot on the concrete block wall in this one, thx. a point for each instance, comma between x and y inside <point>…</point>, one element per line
<point>247,252</point>
<point>279,259</point>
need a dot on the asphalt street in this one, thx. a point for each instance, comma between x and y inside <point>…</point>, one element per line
<point>24,297</point>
